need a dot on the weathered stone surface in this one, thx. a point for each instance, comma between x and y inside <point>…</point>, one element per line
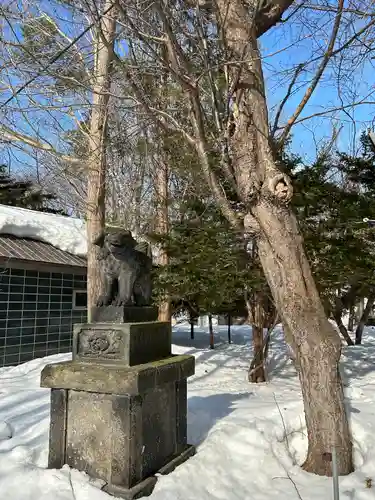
<point>116,379</point>
<point>145,487</point>
<point>123,314</point>
<point>57,433</point>
<point>127,448</point>
<point>128,344</point>
<point>89,433</point>
<point>118,410</point>
<point>121,439</point>
<point>159,427</point>
<point>181,415</point>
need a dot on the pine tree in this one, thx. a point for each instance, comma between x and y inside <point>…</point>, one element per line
<point>332,198</point>
<point>208,264</point>
<point>24,193</point>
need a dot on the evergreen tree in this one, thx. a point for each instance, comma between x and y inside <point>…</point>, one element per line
<point>332,197</point>
<point>208,263</point>
<point>25,194</point>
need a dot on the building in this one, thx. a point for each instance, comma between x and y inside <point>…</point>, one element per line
<point>42,294</point>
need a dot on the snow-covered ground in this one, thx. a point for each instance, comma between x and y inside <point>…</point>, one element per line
<point>250,439</point>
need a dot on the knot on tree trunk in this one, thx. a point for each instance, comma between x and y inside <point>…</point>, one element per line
<point>251,225</point>
<point>280,187</point>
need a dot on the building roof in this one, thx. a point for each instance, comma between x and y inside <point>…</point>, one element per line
<point>28,249</point>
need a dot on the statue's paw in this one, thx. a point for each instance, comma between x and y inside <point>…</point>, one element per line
<point>103,301</point>
<point>122,302</point>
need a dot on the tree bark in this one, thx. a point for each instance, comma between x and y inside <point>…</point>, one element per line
<point>343,330</point>
<point>162,225</point>
<point>364,318</point>
<point>95,203</point>
<point>211,332</point>
<point>257,371</point>
<point>351,318</point>
<point>191,329</point>
<point>265,191</point>
<point>315,342</point>
<point>229,320</point>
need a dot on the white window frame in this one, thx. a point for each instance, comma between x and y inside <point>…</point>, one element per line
<point>74,306</point>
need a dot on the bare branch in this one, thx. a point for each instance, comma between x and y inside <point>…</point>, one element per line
<point>10,135</point>
<point>322,66</point>
<point>284,101</point>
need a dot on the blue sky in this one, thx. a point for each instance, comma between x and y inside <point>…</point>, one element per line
<point>307,136</point>
<point>357,81</point>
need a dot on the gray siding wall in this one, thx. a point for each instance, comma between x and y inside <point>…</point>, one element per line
<point>37,313</point>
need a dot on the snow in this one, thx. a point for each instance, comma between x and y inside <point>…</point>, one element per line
<point>65,233</point>
<point>250,439</point>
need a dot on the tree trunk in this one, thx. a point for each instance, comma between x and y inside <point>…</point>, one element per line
<point>315,342</point>
<point>229,318</point>
<point>162,225</point>
<point>95,205</point>
<point>257,370</point>
<point>346,301</point>
<point>360,309</point>
<point>191,328</point>
<point>343,330</point>
<point>351,318</point>
<point>211,332</point>
<point>364,318</point>
<point>265,191</point>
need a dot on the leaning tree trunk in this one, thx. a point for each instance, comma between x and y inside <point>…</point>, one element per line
<point>95,206</point>
<point>316,344</point>
<point>337,315</point>
<point>265,193</point>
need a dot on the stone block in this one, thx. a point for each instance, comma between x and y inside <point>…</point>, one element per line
<point>119,408</point>
<point>124,314</point>
<point>128,344</point>
<point>116,423</point>
<point>116,379</point>
<point>57,432</point>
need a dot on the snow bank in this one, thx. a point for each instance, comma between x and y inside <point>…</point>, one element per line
<point>66,233</point>
<point>250,439</point>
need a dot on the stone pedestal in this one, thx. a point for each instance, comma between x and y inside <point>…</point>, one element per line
<point>121,314</point>
<point>118,410</point>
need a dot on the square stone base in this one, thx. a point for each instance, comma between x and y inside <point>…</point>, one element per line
<point>125,344</point>
<point>124,314</point>
<point>145,487</point>
<point>119,424</point>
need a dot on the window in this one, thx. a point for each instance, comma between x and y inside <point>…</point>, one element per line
<point>79,299</point>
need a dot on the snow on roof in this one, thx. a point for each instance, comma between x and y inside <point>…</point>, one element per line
<point>66,233</point>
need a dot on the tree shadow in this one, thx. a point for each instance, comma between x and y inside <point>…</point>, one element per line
<point>357,362</point>
<point>205,411</point>
<point>279,364</point>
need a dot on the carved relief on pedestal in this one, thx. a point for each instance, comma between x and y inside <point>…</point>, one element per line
<point>105,344</point>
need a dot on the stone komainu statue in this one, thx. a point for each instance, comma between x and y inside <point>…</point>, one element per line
<point>126,266</point>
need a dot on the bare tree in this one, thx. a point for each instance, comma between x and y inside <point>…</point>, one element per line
<point>97,144</point>
<point>252,192</point>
